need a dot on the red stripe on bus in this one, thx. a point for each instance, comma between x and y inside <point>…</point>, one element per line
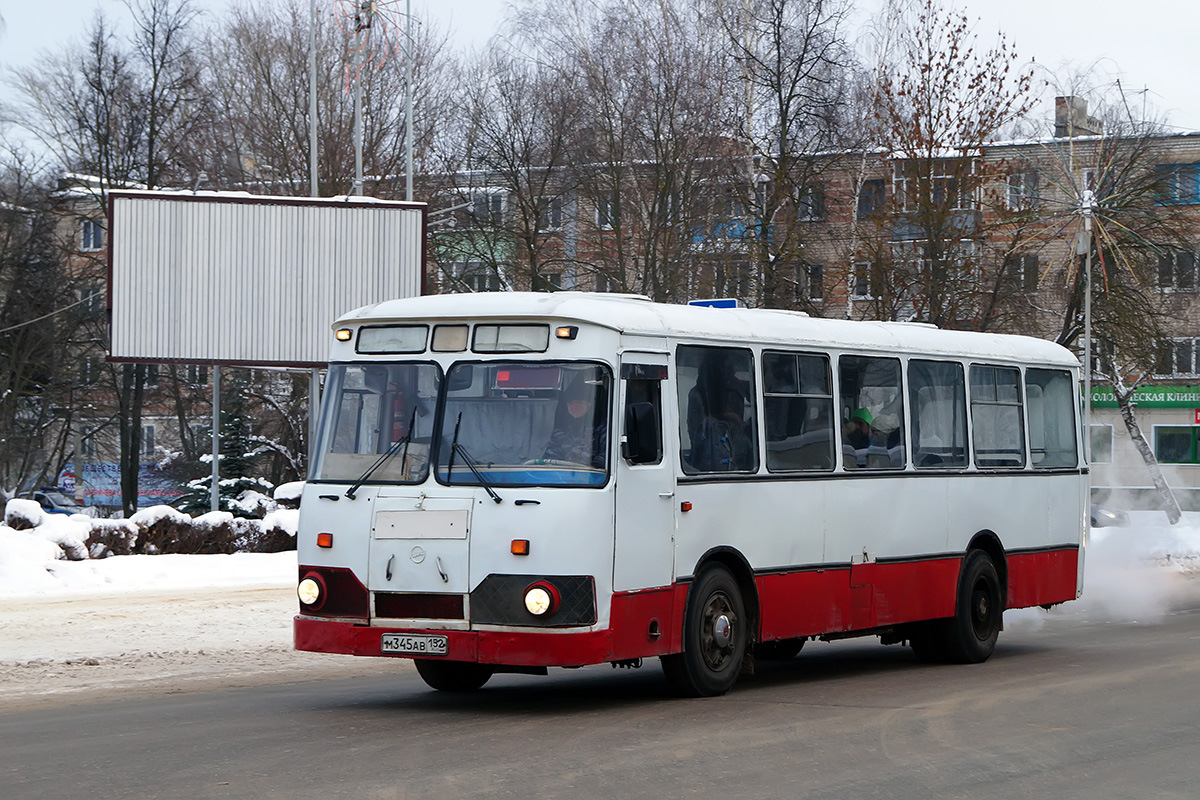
<point>806,603</point>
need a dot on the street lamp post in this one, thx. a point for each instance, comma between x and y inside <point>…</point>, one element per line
<point>1087,205</point>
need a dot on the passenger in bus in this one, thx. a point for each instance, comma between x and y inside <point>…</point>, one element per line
<point>717,430</point>
<point>580,435</point>
<point>858,430</point>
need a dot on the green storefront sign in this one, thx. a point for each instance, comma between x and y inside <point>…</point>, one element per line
<point>1151,397</point>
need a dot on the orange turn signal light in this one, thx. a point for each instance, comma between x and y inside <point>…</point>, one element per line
<point>686,505</point>
<point>520,547</point>
<point>324,540</point>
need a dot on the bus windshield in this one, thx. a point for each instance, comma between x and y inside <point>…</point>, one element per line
<point>373,409</point>
<point>525,424</point>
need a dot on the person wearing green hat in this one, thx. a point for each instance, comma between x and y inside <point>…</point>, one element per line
<point>858,429</point>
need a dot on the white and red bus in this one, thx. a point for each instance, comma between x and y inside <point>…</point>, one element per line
<point>510,482</point>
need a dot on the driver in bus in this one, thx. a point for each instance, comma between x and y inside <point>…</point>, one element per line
<point>580,435</point>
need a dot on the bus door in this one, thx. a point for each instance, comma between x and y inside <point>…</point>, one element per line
<point>645,518</point>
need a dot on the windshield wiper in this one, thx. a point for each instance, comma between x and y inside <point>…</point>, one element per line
<point>391,451</point>
<point>455,447</point>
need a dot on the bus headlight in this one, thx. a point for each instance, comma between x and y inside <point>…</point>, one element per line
<point>309,592</point>
<point>541,599</point>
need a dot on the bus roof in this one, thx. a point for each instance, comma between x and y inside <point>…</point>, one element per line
<point>634,314</point>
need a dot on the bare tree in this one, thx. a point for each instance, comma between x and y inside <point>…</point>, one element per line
<point>943,102</point>
<point>509,175</point>
<point>258,64</point>
<point>795,68</point>
<point>122,113</point>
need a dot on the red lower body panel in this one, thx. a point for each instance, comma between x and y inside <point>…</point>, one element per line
<point>796,604</point>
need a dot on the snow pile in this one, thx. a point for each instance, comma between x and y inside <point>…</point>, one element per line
<point>70,533</point>
<point>29,567</point>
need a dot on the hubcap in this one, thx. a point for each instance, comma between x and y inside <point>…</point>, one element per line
<point>722,630</point>
<point>717,632</point>
<point>981,610</point>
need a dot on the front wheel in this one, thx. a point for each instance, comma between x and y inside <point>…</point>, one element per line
<point>714,637</point>
<point>453,676</point>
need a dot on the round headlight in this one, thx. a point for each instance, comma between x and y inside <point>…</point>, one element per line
<point>309,591</point>
<point>541,599</point>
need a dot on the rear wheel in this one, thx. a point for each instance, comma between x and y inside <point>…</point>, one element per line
<point>972,633</point>
<point>453,676</point>
<point>714,637</point>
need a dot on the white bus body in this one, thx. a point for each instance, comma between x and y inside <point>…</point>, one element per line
<point>473,551</point>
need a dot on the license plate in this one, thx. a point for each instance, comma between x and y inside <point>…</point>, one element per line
<point>417,645</point>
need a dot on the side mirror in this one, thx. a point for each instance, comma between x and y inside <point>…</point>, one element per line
<point>642,444</point>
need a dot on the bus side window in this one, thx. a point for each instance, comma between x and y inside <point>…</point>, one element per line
<point>998,433</point>
<point>797,412</point>
<point>938,405</point>
<point>872,412</point>
<point>717,409</point>
<point>648,392</point>
<point>1050,394</point>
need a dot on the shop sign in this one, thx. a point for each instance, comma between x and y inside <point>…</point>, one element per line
<point>1151,397</point>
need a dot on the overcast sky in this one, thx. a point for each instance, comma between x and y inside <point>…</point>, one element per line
<point>1148,45</point>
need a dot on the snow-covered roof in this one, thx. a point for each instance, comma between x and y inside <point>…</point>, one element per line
<point>638,315</point>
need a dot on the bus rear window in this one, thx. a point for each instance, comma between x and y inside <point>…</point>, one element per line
<point>511,338</point>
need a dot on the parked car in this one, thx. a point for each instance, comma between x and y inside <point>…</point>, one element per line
<point>53,501</point>
<point>1108,517</point>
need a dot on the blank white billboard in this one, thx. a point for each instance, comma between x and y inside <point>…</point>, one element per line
<point>231,278</point>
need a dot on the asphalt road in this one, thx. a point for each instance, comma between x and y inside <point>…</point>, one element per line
<point>1070,710</point>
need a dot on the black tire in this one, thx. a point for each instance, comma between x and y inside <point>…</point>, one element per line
<point>714,637</point>
<point>778,650</point>
<point>453,676</point>
<point>971,635</point>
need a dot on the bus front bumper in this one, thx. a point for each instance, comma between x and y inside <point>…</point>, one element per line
<point>541,648</point>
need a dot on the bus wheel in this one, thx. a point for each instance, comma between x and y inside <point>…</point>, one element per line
<point>714,637</point>
<point>972,633</point>
<point>453,676</point>
<point>778,650</point>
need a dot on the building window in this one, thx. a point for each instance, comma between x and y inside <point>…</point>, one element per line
<point>1176,444</point>
<point>550,214</point>
<point>1021,272</point>
<point>810,282</point>
<point>1177,271</point>
<point>606,214</point>
<point>1102,443</point>
<point>88,446</point>
<point>1178,183</point>
<point>870,198</point>
<point>487,206</point>
<point>860,281</point>
<point>92,235</point>
<point>810,204</point>
<point>1177,358</point>
<point>944,185</point>
<point>89,370</point>
<point>1022,191</point>
<point>196,374</point>
<point>472,276</point>
<point>151,375</point>
<point>148,441</point>
<point>91,299</point>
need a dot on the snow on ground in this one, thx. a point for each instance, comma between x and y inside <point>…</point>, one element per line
<point>167,623</point>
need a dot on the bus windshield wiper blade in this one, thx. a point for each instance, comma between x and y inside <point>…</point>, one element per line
<point>470,462</point>
<point>458,449</point>
<point>391,451</point>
